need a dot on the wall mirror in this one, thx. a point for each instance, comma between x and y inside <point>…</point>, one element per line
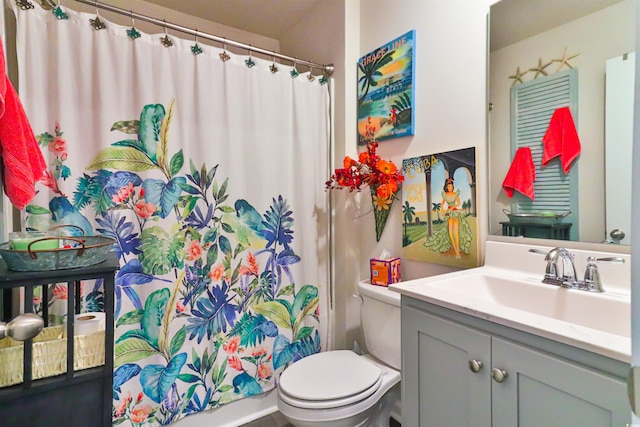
<point>589,46</point>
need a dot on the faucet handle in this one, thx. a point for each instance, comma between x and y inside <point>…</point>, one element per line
<point>592,275</point>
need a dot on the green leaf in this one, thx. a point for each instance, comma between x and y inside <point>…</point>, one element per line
<point>275,311</point>
<point>150,123</point>
<point>222,190</point>
<point>287,290</point>
<point>210,236</point>
<point>225,245</point>
<point>304,298</point>
<point>177,341</point>
<point>188,378</point>
<point>130,318</point>
<point>127,126</point>
<point>224,388</point>
<point>37,210</point>
<point>212,254</point>
<point>227,209</point>
<point>155,249</point>
<point>304,333</point>
<point>153,312</point>
<point>227,228</point>
<point>121,158</point>
<point>162,150</point>
<point>133,143</point>
<point>177,161</point>
<point>133,350</point>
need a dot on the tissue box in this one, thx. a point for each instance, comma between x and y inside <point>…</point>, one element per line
<point>384,271</point>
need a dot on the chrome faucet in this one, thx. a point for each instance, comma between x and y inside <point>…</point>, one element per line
<point>561,271</point>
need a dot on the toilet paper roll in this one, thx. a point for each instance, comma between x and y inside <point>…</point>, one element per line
<point>88,323</point>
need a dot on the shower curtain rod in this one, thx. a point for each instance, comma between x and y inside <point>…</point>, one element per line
<point>328,69</point>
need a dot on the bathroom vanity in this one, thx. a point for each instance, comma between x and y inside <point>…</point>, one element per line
<point>496,347</point>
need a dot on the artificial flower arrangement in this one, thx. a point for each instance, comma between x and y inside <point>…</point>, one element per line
<point>381,176</point>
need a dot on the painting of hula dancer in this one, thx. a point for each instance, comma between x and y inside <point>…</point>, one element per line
<point>385,90</point>
<point>439,223</point>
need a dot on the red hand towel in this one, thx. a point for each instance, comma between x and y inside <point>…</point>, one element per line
<point>521,174</point>
<point>561,139</point>
<point>23,163</point>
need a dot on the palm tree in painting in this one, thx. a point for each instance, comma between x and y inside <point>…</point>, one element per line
<point>436,208</point>
<point>370,74</point>
<point>408,212</point>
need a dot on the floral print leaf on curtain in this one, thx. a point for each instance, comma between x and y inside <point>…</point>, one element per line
<point>207,307</point>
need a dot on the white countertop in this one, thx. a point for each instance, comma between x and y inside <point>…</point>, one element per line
<point>612,345</point>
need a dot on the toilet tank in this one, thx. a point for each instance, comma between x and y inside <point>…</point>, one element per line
<point>380,315</point>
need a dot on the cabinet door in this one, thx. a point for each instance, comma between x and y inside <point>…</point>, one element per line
<point>542,390</point>
<point>438,387</point>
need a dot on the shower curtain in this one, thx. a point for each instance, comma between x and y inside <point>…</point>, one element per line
<point>208,171</point>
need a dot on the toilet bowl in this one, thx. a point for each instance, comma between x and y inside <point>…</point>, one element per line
<point>341,388</point>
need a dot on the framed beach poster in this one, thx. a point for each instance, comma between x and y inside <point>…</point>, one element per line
<point>386,91</point>
<point>439,222</point>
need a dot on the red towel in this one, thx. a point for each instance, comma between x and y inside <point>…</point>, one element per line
<point>561,139</point>
<point>521,174</point>
<point>23,163</point>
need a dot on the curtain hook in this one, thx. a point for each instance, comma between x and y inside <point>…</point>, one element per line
<point>166,41</point>
<point>224,56</point>
<point>133,32</point>
<point>24,4</point>
<point>294,72</point>
<point>273,67</point>
<point>311,77</point>
<point>58,12</point>
<point>250,62</point>
<point>195,48</point>
<point>97,23</point>
<point>323,80</point>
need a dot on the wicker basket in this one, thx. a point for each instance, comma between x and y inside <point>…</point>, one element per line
<point>50,355</point>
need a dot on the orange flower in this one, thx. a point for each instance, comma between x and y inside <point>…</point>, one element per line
<point>348,162</point>
<point>258,352</point>
<point>379,203</point>
<point>363,157</point>
<point>216,272</point>
<point>232,345</point>
<point>140,413</point>
<point>264,371</point>
<point>58,147</point>
<point>144,209</point>
<point>194,250</point>
<point>387,168</point>
<point>384,191</point>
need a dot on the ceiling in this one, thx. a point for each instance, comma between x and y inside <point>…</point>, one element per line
<point>273,18</point>
<point>521,19</point>
<point>270,18</point>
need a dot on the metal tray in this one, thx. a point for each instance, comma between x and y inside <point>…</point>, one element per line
<point>535,218</point>
<point>83,251</point>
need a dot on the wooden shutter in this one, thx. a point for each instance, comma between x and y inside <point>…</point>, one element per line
<point>532,105</point>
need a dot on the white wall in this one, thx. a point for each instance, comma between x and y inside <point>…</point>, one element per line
<point>593,39</point>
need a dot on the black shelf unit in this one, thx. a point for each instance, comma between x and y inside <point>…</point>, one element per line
<point>76,398</point>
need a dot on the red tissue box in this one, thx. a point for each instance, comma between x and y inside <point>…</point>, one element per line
<point>385,271</point>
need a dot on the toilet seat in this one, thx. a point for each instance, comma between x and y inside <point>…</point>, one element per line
<point>329,380</point>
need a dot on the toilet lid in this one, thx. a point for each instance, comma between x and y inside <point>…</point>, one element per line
<point>330,375</point>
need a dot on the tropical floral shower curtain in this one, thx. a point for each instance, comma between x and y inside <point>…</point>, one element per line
<point>209,175</point>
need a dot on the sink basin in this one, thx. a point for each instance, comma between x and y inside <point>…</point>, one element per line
<point>598,322</point>
<point>608,313</point>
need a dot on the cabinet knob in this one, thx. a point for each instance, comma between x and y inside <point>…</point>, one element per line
<point>499,375</point>
<point>475,365</point>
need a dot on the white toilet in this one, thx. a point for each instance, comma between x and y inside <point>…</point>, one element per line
<point>342,389</point>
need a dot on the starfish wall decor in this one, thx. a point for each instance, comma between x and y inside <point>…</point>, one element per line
<point>517,77</point>
<point>541,67</point>
<point>565,59</point>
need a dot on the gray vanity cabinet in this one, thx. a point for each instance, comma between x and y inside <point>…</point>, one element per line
<point>447,380</point>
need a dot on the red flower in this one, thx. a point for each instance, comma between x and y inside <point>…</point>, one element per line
<point>252,267</point>
<point>58,147</point>
<point>144,209</point>
<point>264,371</point>
<point>140,413</point>
<point>235,363</point>
<point>369,170</point>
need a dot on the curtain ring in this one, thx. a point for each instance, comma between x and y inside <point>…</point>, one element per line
<point>250,63</point>
<point>224,56</point>
<point>58,12</point>
<point>97,23</point>
<point>273,68</point>
<point>195,48</point>
<point>166,41</point>
<point>133,32</point>
<point>311,77</point>
<point>294,71</point>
